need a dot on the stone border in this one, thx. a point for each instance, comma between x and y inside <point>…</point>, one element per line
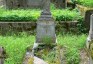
<point>31,26</point>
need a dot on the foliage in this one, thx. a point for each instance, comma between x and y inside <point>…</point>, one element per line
<point>65,15</point>
<point>15,47</point>
<point>47,40</point>
<point>23,15</point>
<point>72,43</point>
<point>88,3</point>
<point>81,26</point>
<point>34,14</point>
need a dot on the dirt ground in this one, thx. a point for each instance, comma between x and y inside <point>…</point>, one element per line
<point>84,57</point>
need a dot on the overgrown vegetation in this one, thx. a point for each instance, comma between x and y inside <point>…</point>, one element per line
<point>15,47</point>
<point>34,14</point>
<point>88,3</point>
<point>73,45</point>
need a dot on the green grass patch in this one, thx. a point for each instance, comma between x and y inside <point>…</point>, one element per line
<point>34,14</point>
<point>15,47</point>
<point>88,3</point>
<point>73,45</point>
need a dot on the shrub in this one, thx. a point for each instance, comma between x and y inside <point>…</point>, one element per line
<point>33,15</point>
<point>81,26</point>
<point>88,3</point>
<point>15,47</point>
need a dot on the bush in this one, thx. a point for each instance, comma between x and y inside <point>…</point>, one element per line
<point>88,3</point>
<point>65,15</point>
<point>33,15</point>
<point>15,47</point>
<point>81,26</point>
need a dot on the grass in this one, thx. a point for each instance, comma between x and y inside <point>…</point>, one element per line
<point>16,45</point>
<point>34,14</point>
<point>87,3</point>
<point>73,45</point>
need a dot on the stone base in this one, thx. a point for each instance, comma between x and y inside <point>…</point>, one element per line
<point>45,32</point>
<point>39,61</point>
<point>30,59</point>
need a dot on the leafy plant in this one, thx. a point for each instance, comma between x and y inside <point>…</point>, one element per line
<point>15,47</point>
<point>88,3</point>
<point>34,14</point>
<point>72,43</point>
<point>47,40</point>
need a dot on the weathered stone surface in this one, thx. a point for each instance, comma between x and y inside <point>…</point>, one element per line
<point>31,26</point>
<point>87,19</point>
<point>45,29</point>
<point>17,26</point>
<point>45,25</point>
<point>13,4</point>
<point>35,3</point>
<point>61,3</point>
<point>89,43</point>
<point>1,2</point>
<point>39,61</point>
<point>30,59</point>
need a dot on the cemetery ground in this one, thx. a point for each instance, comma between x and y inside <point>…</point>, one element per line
<point>16,45</point>
<point>71,46</point>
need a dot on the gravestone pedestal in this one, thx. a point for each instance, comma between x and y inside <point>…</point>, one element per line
<point>45,36</point>
<point>45,29</point>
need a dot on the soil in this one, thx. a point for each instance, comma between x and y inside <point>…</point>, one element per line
<point>84,57</point>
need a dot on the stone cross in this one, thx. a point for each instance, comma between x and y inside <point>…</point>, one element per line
<point>45,25</point>
<point>45,35</point>
<point>46,7</point>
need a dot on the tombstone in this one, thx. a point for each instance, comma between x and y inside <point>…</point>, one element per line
<point>45,35</point>
<point>89,43</point>
<point>87,19</point>
<point>14,4</point>
<point>45,25</point>
<point>22,3</point>
<point>9,4</point>
<point>1,2</point>
<point>61,3</point>
<point>35,3</point>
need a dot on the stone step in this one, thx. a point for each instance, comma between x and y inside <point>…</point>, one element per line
<point>39,61</point>
<point>30,59</point>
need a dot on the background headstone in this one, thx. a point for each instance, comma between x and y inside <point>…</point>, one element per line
<point>60,3</point>
<point>1,2</point>
<point>87,19</point>
<point>12,4</point>
<point>35,3</point>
